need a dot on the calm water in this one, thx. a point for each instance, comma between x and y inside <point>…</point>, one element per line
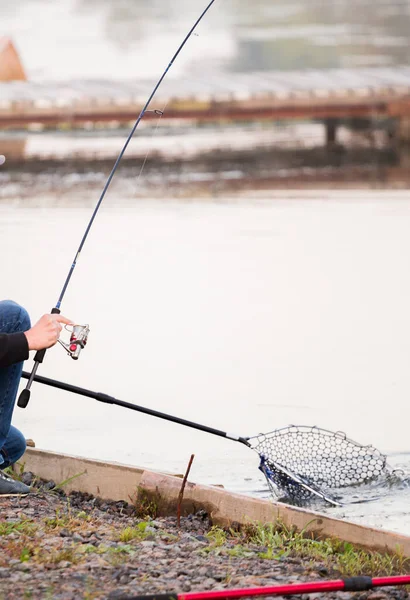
<point>135,38</point>
<point>245,314</point>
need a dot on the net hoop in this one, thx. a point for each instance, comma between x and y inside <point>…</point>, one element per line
<point>322,459</point>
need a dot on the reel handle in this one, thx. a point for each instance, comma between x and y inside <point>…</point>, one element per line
<point>38,358</point>
<point>78,340</point>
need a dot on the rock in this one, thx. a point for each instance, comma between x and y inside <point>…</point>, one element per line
<point>174,561</point>
<point>118,594</point>
<point>14,562</point>
<point>148,544</point>
<point>49,485</point>
<point>65,533</point>
<point>95,563</point>
<point>150,529</point>
<point>24,566</point>
<point>156,524</point>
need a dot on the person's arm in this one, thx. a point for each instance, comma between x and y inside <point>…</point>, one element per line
<point>13,348</point>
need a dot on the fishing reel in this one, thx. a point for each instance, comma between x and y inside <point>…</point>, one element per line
<point>78,339</point>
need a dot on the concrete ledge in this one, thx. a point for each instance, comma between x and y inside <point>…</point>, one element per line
<point>112,481</point>
<point>115,481</point>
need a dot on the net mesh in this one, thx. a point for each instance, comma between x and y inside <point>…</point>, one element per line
<point>280,482</point>
<point>319,458</point>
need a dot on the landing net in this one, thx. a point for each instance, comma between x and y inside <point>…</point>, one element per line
<point>317,460</point>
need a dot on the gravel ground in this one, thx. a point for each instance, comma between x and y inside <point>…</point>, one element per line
<point>70,547</point>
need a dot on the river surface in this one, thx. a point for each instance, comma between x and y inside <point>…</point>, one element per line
<point>243,313</point>
<point>91,39</point>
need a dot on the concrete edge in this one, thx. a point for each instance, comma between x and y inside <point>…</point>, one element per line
<point>115,481</point>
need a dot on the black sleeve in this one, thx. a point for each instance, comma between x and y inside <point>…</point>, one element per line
<point>13,348</point>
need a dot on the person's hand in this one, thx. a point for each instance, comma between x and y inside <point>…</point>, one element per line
<point>46,331</point>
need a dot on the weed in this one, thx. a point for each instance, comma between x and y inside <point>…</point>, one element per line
<point>119,555</point>
<point>91,549</point>
<point>16,472</point>
<point>23,526</point>
<point>347,559</point>
<point>66,554</point>
<point>50,593</point>
<point>60,520</point>
<point>131,533</point>
<point>83,515</point>
<point>126,549</point>
<point>168,537</point>
<point>216,536</point>
<point>68,520</point>
<point>146,505</point>
<point>25,554</point>
<point>22,548</point>
<point>68,480</point>
<point>93,595</point>
<point>239,551</point>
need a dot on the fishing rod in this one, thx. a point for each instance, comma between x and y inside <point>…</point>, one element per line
<point>350,584</point>
<point>298,460</point>
<point>79,333</point>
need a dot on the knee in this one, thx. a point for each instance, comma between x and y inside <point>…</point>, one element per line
<point>14,447</point>
<point>14,316</point>
<point>25,323</point>
<point>20,447</point>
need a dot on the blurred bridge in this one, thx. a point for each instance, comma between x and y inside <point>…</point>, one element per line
<point>327,95</point>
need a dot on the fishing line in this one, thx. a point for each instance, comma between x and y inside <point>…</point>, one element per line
<point>160,113</point>
<point>302,444</point>
<point>78,337</point>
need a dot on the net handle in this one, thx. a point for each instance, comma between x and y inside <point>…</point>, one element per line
<point>105,398</point>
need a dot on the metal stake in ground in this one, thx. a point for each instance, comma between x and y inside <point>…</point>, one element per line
<point>39,356</point>
<point>181,492</point>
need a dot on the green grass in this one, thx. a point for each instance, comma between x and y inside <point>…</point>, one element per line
<point>275,541</point>
<point>67,519</point>
<point>65,554</point>
<point>135,533</point>
<point>146,504</point>
<point>217,537</point>
<point>23,526</point>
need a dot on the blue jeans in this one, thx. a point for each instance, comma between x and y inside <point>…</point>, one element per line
<point>13,318</point>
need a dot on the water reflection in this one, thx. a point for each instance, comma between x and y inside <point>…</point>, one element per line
<point>269,35</point>
<point>92,38</point>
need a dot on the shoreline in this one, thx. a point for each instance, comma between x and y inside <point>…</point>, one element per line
<point>69,546</point>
